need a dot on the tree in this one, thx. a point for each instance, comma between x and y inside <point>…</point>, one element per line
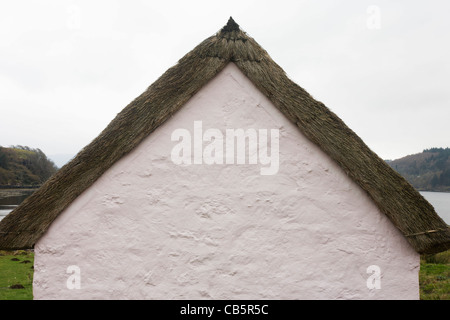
<point>3,159</point>
<point>444,178</point>
<point>22,165</point>
<point>434,181</point>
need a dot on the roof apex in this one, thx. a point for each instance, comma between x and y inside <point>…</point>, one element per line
<point>230,26</point>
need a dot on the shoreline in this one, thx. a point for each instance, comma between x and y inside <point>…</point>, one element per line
<point>442,191</point>
<point>15,192</point>
<point>6,187</point>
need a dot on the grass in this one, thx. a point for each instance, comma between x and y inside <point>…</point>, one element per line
<point>434,276</point>
<point>16,275</point>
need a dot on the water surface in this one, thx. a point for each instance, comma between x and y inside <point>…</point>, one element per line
<point>11,198</point>
<point>441,203</point>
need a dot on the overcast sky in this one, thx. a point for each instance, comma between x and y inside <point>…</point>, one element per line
<point>68,67</point>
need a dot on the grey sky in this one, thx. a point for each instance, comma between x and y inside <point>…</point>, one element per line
<point>68,67</point>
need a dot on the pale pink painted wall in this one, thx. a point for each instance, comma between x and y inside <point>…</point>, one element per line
<point>149,229</point>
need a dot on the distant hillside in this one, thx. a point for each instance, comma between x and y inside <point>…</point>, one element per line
<point>426,171</point>
<point>24,166</point>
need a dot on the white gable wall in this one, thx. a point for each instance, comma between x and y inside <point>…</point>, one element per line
<point>151,229</point>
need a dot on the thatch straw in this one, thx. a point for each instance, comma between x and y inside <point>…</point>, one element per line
<point>395,197</point>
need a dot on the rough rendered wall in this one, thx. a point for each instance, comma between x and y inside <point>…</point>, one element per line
<point>151,229</point>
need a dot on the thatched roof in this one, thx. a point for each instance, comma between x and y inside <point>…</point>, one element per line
<point>394,196</point>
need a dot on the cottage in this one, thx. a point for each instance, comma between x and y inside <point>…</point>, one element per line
<point>124,220</point>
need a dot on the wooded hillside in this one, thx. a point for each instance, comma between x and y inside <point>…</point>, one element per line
<point>426,171</point>
<point>24,166</point>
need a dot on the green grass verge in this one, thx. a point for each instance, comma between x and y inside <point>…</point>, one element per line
<point>434,276</point>
<point>16,275</point>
